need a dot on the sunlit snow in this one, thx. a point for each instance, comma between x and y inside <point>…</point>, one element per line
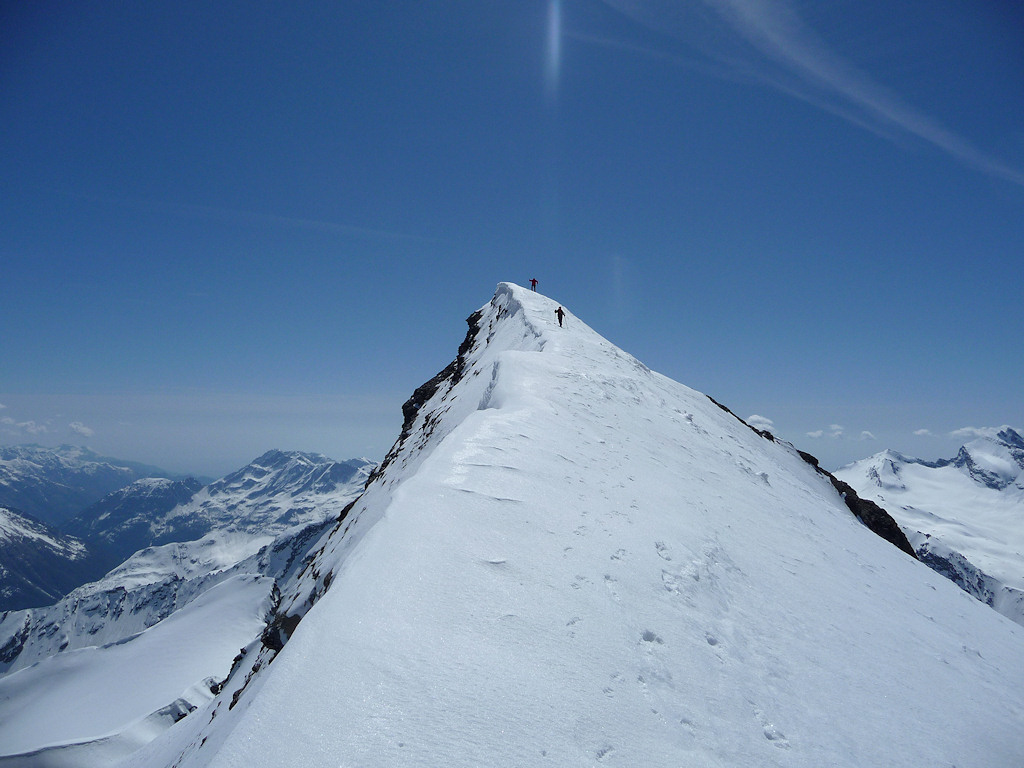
<point>573,561</point>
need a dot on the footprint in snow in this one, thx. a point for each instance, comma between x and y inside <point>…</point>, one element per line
<point>650,637</point>
<point>610,583</point>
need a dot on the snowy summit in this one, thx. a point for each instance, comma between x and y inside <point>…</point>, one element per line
<point>570,560</point>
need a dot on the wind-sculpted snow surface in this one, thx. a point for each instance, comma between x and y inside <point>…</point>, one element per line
<point>98,691</point>
<point>964,516</point>
<point>570,560</point>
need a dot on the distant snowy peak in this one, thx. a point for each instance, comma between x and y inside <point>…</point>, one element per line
<point>271,494</point>
<point>885,469</point>
<point>963,515</point>
<point>38,564</point>
<point>53,484</point>
<point>996,462</point>
<point>290,473</point>
<point>277,491</point>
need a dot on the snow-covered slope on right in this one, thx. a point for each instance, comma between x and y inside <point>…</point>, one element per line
<point>570,560</point>
<point>964,516</point>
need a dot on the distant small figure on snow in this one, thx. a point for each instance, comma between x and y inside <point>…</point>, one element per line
<point>559,313</point>
<point>533,283</point>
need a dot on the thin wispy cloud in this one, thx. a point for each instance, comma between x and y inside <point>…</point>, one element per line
<point>761,422</point>
<point>835,431</point>
<point>247,218</point>
<point>80,429</point>
<point>553,54</point>
<point>260,218</point>
<point>32,428</point>
<point>796,60</point>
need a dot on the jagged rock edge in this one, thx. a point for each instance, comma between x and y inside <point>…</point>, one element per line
<point>280,626</point>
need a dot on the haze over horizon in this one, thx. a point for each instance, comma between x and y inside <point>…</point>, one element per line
<point>247,226</point>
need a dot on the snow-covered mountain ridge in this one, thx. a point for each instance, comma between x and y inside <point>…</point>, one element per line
<point>38,564</point>
<point>568,559</point>
<point>964,516</point>
<point>122,521</point>
<point>274,492</point>
<point>54,484</point>
<point>277,491</point>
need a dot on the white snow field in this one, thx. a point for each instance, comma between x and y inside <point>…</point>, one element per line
<point>570,560</point>
<point>973,505</point>
<point>97,692</point>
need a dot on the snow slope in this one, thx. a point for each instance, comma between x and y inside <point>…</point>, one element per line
<point>569,560</point>
<point>964,516</point>
<point>94,692</point>
<point>280,496</point>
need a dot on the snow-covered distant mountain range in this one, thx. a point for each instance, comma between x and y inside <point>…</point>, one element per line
<point>123,521</point>
<point>149,641</point>
<point>40,564</point>
<point>277,491</point>
<point>964,516</point>
<point>570,560</point>
<point>54,484</point>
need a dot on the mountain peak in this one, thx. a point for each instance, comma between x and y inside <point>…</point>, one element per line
<point>1009,436</point>
<point>569,558</point>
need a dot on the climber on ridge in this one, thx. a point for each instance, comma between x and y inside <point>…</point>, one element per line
<point>559,313</point>
<point>533,283</point>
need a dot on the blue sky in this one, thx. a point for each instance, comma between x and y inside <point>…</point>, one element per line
<point>241,225</point>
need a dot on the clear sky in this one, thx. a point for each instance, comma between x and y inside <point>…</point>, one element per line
<point>233,226</point>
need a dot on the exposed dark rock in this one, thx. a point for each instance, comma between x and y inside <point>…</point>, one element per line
<point>873,516</point>
<point>451,375</point>
<point>959,570</point>
<point>15,644</point>
<point>812,460</point>
<point>279,630</point>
